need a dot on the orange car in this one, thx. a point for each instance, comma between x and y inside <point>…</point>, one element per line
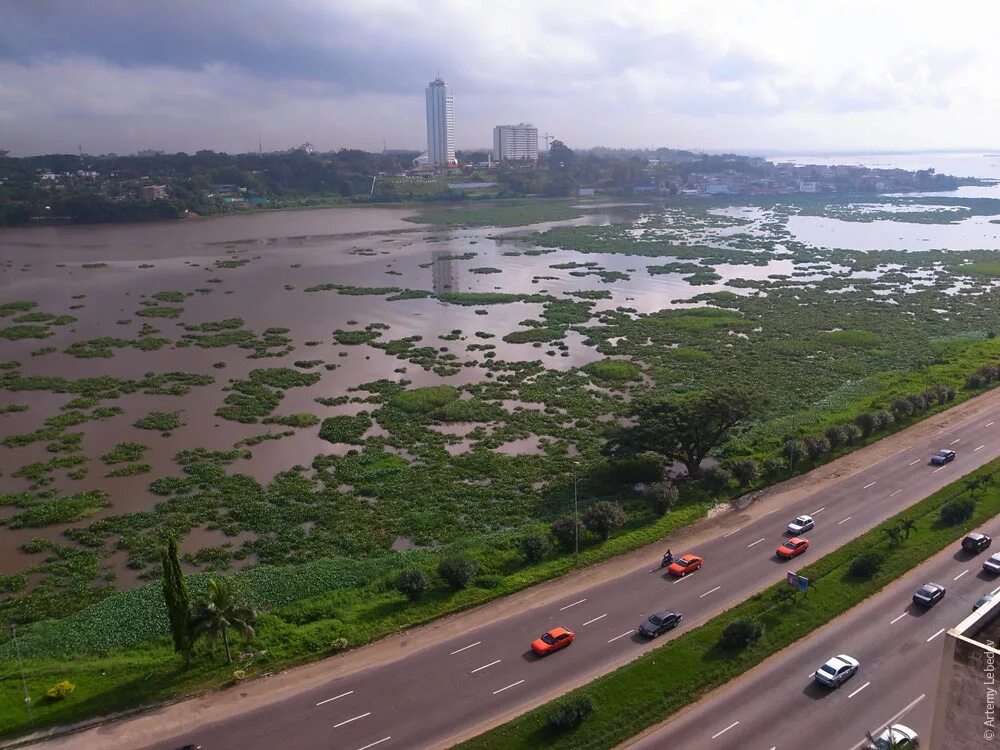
<point>792,548</point>
<point>685,564</point>
<point>553,640</point>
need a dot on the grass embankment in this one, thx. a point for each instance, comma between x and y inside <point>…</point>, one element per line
<point>645,691</point>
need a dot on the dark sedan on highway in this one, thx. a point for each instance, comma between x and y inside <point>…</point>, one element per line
<point>942,457</point>
<point>659,623</point>
<point>929,594</point>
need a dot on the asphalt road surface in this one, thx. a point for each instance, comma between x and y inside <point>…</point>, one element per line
<point>432,697</point>
<point>778,706</point>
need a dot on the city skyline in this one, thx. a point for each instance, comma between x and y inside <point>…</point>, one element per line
<point>184,76</point>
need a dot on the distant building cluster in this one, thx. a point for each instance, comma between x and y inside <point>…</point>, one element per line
<point>515,143</point>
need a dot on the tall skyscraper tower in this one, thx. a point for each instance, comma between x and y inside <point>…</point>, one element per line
<point>440,125</point>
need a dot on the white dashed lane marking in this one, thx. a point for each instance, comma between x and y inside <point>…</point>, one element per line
<point>572,605</point>
<point>859,690</point>
<point>486,666</point>
<point>465,648</point>
<point>601,617</point>
<point>342,695</point>
<point>935,635</point>
<point>627,632</point>
<point>757,542</point>
<point>513,684</point>
<point>377,742</point>
<point>870,484</point>
<point>719,734</point>
<point>348,721</point>
<point>710,591</point>
<point>960,574</point>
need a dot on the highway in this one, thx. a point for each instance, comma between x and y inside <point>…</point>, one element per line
<point>899,645</point>
<point>428,698</point>
<point>434,696</point>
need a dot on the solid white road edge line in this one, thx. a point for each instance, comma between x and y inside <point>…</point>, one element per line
<point>513,684</point>
<point>342,695</point>
<point>464,648</point>
<point>710,591</point>
<point>492,663</point>
<point>627,632</point>
<point>348,721</point>
<point>935,635</point>
<point>893,720</point>
<point>377,742</point>
<point>859,690</point>
<point>595,619</point>
<point>719,734</point>
<point>572,605</point>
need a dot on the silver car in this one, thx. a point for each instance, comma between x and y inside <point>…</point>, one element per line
<point>992,564</point>
<point>801,524</point>
<point>896,737</point>
<point>837,671</point>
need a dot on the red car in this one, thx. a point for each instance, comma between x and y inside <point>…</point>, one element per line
<point>553,640</point>
<point>792,548</point>
<point>685,564</point>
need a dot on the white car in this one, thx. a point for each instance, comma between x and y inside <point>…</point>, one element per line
<point>896,737</point>
<point>800,524</point>
<point>992,564</point>
<point>837,671</point>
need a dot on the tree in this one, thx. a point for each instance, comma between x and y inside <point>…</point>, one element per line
<point>902,407</point>
<point>458,572</point>
<point>774,466</point>
<point>957,511</point>
<point>867,565</point>
<point>571,713</point>
<point>816,446</point>
<point>534,547</point>
<point>685,429</point>
<point>740,633</point>
<point>835,435</point>
<point>566,531</point>
<point>219,611</point>
<point>746,471</point>
<point>893,534</point>
<point>716,478</point>
<point>906,525</point>
<point>412,583</point>
<point>795,451</point>
<point>605,516</point>
<point>866,422</point>
<point>561,158</point>
<point>176,597</point>
<point>662,495</point>
<point>852,433</point>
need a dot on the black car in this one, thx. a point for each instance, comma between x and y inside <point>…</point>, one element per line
<point>976,542</point>
<point>928,595</point>
<point>659,623</point>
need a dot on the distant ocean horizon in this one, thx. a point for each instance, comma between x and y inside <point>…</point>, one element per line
<point>981,164</point>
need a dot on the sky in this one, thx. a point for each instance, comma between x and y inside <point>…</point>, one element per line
<point>748,76</point>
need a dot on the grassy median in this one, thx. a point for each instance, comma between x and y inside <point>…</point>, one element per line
<point>668,678</point>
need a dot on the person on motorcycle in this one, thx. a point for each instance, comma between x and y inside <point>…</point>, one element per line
<point>667,559</point>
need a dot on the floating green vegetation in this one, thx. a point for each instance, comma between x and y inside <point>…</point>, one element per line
<point>94,265</point>
<point>170,296</point>
<point>485,270</point>
<point>301,419</point>
<point>982,268</point>
<point>124,452</point>
<point>613,370</point>
<point>12,408</point>
<point>345,428</point>
<point>64,509</point>
<point>474,299</point>
<point>66,443</point>
<point>230,263</point>
<point>10,308</point>
<point>307,364</point>
<point>104,347</point>
<point>500,215</point>
<point>354,338</point>
<point>264,437</point>
<point>261,394</point>
<point>532,335</point>
<point>590,294</point>
<point>424,400</point>
<point>15,333</point>
<point>160,311</point>
<point>129,470</point>
<point>162,421</point>
<point>355,291</point>
<point>214,326</point>
<point>410,294</point>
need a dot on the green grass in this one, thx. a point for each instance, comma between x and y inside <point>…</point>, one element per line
<point>613,370</point>
<point>643,693</point>
<point>853,338</point>
<point>425,400</point>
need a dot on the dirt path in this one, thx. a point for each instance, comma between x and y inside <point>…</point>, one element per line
<point>160,723</point>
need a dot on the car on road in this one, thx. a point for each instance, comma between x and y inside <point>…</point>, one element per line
<point>685,564</point>
<point>896,737</point>
<point>929,594</point>
<point>992,564</point>
<point>837,671</point>
<point>792,548</point>
<point>659,623</point>
<point>552,640</point>
<point>942,457</point>
<point>976,542</point>
<point>801,524</point>
<point>982,601</point>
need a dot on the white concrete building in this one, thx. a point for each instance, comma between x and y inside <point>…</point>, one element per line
<point>440,125</point>
<point>515,143</point>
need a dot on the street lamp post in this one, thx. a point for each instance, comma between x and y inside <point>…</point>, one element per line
<point>576,513</point>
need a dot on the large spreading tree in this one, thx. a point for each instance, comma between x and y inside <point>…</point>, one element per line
<point>685,428</point>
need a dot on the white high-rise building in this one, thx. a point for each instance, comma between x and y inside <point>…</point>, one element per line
<point>515,142</point>
<point>440,125</point>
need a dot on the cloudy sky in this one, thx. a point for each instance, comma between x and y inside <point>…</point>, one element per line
<point>766,75</point>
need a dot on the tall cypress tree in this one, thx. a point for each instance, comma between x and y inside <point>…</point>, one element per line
<point>176,596</point>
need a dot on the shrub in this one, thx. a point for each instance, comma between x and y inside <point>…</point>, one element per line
<point>60,690</point>
<point>774,466</point>
<point>918,401</point>
<point>958,510</point>
<point>534,547</point>
<point>835,435</point>
<point>902,407</point>
<point>867,565</point>
<point>458,572</point>
<point>795,451</point>
<point>852,433</point>
<point>605,516</point>
<point>571,713</point>
<point>883,419</point>
<point>662,495</point>
<point>338,644</point>
<point>866,422</point>
<point>413,583</point>
<point>816,446</point>
<point>716,478</point>
<point>973,381</point>
<point>565,531</point>
<point>741,633</point>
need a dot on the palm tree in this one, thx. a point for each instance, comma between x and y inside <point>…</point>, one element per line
<point>906,525</point>
<point>218,612</point>
<point>893,535</point>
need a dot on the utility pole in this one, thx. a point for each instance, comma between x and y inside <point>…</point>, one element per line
<point>24,683</point>
<point>576,513</point>
<point>372,193</point>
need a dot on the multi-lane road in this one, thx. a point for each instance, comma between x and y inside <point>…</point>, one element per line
<point>434,696</point>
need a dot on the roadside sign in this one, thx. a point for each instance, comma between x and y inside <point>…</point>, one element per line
<point>800,583</point>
